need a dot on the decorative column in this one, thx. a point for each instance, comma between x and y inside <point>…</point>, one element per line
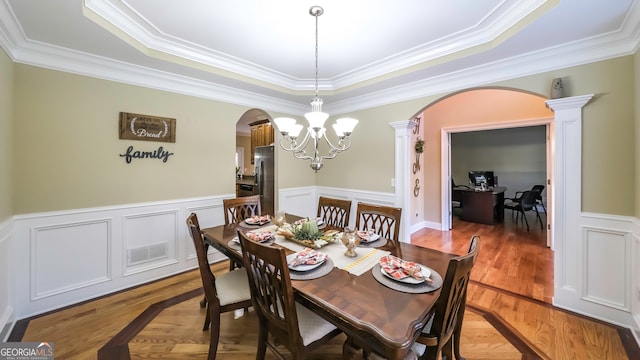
<point>566,195</point>
<point>403,158</point>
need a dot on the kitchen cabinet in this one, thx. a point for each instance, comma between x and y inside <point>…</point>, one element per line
<point>261,135</point>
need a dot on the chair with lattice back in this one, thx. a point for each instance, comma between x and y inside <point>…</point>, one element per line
<point>334,212</point>
<point>238,209</point>
<point>228,292</point>
<point>438,335</point>
<point>385,220</point>
<point>291,324</point>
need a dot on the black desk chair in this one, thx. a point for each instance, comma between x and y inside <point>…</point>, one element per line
<point>539,189</point>
<point>523,202</point>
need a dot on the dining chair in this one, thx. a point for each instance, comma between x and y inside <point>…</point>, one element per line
<point>289,323</point>
<point>443,328</point>
<point>385,220</point>
<point>236,210</point>
<point>438,336</point>
<point>228,292</point>
<point>523,203</point>
<point>240,208</point>
<point>334,212</point>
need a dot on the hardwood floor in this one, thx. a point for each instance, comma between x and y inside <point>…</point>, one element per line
<point>509,315</point>
<point>511,258</point>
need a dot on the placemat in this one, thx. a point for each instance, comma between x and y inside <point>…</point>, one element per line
<point>253,226</point>
<point>374,244</point>
<point>358,265</point>
<point>424,287</point>
<point>320,271</point>
<point>235,244</point>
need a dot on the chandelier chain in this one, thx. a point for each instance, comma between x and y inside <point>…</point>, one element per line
<point>316,118</point>
<point>316,14</point>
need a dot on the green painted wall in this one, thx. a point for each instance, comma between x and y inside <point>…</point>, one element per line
<point>67,147</point>
<point>609,137</point>
<point>66,142</point>
<point>6,130</point>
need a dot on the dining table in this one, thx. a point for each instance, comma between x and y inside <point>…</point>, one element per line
<point>371,310</point>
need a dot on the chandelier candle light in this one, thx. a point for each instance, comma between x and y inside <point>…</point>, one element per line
<point>316,130</point>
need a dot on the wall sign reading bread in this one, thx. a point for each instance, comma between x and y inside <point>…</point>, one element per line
<point>146,127</point>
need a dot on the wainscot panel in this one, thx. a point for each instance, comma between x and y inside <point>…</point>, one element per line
<point>76,255</point>
<point>604,268</point>
<point>7,314</point>
<point>304,200</point>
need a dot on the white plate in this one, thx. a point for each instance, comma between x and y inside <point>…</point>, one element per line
<point>305,267</point>
<point>426,272</point>
<point>270,237</point>
<point>372,238</point>
<point>250,221</point>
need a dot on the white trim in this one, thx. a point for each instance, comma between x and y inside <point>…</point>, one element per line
<point>445,159</point>
<point>607,46</point>
<point>7,302</point>
<point>402,176</point>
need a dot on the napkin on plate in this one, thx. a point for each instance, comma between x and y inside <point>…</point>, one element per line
<point>260,236</point>
<point>364,235</point>
<point>308,256</point>
<point>400,269</point>
<point>258,220</point>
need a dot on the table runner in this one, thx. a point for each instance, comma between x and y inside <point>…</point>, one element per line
<point>366,259</point>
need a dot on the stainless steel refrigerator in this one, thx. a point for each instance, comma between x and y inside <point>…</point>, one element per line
<point>265,179</point>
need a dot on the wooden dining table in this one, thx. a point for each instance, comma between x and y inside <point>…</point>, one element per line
<point>388,321</point>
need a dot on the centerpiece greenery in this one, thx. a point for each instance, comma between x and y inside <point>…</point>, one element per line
<point>308,230</point>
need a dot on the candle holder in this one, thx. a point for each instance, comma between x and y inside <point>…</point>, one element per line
<point>350,241</point>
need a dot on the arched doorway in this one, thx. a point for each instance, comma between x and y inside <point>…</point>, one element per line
<point>255,158</point>
<point>469,110</point>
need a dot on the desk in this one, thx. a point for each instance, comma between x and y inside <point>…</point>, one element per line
<point>484,207</point>
<point>388,321</point>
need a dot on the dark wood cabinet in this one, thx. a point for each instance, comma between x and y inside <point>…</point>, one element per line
<point>261,135</point>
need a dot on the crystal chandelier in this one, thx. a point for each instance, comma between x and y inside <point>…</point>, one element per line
<point>316,130</point>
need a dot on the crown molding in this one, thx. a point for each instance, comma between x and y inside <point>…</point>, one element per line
<point>120,19</point>
<point>22,50</point>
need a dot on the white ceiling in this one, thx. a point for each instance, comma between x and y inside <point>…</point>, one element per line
<point>261,53</point>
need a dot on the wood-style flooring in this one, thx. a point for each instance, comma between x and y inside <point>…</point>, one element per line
<point>509,313</point>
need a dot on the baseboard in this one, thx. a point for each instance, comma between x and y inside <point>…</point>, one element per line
<point>7,321</point>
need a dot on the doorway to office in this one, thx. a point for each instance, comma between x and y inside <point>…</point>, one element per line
<point>472,110</point>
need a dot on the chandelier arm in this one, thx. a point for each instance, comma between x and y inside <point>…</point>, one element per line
<point>341,144</point>
<point>293,144</point>
<point>316,119</point>
<point>333,152</point>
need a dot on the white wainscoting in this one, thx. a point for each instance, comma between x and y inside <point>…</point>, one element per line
<point>304,200</point>
<point>7,313</point>
<point>51,260</point>
<point>76,255</point>
<point>606,262</point>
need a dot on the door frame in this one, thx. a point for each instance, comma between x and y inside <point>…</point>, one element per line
<point>445,163</point>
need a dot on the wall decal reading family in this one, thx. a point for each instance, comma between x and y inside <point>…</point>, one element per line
<point>137,154</point>
<point>149,128</point>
